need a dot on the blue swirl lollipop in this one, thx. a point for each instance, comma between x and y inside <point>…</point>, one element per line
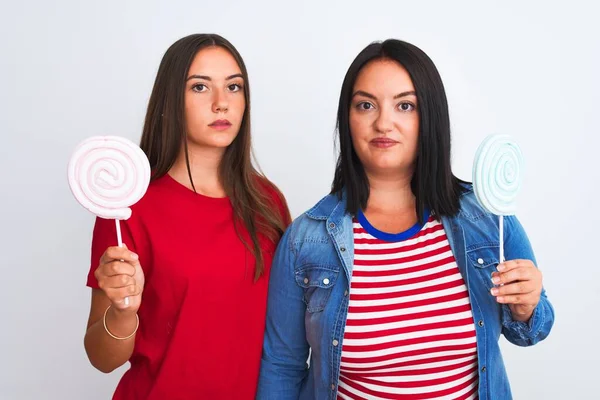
<point>497,178</point>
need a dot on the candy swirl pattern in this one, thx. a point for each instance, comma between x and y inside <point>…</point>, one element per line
<point>107,175</point>
<point>497,172</point>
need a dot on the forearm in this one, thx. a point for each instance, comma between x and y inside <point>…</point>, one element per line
<point>105,352</point>
<point>534,330</point>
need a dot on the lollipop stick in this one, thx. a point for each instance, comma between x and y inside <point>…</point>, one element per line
<point>119,237</point>
<point>501,218</point>
<point>120,242</point>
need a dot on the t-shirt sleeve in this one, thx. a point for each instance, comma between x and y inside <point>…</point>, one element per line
<point>103,237</point>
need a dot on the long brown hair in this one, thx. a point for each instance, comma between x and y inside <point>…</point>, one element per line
<point>164,131</point>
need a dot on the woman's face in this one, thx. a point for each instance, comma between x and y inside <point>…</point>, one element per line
<point>384,122</point>
<point>214,99</point>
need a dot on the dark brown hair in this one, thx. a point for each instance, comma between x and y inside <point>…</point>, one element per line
<point>164,132</point>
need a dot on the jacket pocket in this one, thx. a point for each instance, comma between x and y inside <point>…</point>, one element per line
<point>317,280</point>
<point>485,259</point>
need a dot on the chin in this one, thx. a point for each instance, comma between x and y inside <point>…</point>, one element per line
<point>221,142</point>
<point>391,168</point>
<point>387,164</point>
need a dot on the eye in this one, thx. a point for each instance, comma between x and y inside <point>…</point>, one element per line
<point>406,106</point>
<point>234,87</point>
<point>199,87</point>
<point>365,106</point>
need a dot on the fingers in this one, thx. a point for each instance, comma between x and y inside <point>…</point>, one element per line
<point>117,261</point>
<point>519,283</point>
<point>117,295</point>
<point>114,268</point>
<point>521,288</point>
<point>512,264</point>
<point>124,285</point>
<point>519,299</point>
<point>118,281</point>
<point>513,275</point>
<point>119,253</point>
<point>116,276</point>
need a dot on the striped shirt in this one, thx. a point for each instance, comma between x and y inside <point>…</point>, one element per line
<point>410,331</point>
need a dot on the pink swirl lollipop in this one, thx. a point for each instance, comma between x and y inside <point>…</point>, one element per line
<point>107,175</point>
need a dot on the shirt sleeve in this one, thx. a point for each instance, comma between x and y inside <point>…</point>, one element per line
<point>518,246</point>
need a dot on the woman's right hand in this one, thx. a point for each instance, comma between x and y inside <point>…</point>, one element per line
<point>120,275</point>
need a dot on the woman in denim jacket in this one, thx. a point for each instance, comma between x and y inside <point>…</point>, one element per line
<point>393,281</point>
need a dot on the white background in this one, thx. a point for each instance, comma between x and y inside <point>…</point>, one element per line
<point>74,69</point>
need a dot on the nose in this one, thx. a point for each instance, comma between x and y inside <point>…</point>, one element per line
<point>220,104</point>
<point>384,123</point>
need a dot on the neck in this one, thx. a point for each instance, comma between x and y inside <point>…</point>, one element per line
<point>391,195</point>
<point>204,169</point>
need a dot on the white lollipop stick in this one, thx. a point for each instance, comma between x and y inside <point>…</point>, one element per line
<point>107,175</point>
<point>120,244</point>
<point>119,237</point>
<point>497,178</point>
<point>501,229</point>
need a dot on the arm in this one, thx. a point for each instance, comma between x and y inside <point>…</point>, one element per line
<point>105,353</point>
<point>118,275</point>
<point>537,326</point>
<point>285,349</point>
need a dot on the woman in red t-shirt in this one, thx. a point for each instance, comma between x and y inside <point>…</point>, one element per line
<point>199,244</point>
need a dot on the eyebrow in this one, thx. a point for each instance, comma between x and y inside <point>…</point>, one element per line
<point>370,96</point>
<point>208,78</point>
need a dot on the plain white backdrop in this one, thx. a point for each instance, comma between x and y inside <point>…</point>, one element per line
<point>74,69</point>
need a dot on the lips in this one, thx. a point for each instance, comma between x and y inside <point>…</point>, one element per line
<point>220,123</point>
<point>383,142</point>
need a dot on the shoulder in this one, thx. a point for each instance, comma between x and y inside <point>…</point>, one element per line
<point>162,195</point>
<point>470,208</point>
<point>311,225</point>
<point>478,223</point>
<point>325,207</point>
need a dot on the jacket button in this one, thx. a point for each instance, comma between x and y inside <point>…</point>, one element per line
<point>480,261</point>
<point>325,281</point>
<point>335,342</point>
<point>306,280</point>
<point>345,293</point>
<point>332,225</point>
<point>482,369</point>
<point>332,386</point>
<point>480,323</point>
<point>342,249</point>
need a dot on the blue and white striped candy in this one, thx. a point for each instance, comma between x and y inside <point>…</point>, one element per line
<point>497,171</point>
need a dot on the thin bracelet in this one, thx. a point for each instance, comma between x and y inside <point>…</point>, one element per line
<point>137,324</point>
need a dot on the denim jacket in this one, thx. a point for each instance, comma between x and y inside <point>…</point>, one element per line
<point>305,313</point>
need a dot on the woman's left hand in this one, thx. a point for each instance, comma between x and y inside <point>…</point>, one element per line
<point>521,287</point>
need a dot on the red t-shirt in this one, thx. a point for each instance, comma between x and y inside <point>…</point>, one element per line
<point>202,315</point>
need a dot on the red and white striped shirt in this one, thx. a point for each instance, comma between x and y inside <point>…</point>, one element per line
<point>410,331</point>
